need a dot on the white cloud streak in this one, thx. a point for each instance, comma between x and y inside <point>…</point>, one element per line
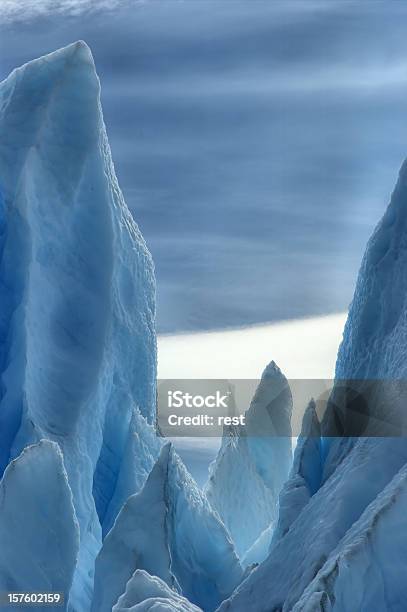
<point>18,11</point>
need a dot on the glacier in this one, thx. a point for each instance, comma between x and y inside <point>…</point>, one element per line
<point>93,503</point>
<point>77,331</point>
<point>294,560</point>
<point>303,481</point>
<point>253,462</point>
<point>169,530</point>
<point>138,540</point>
<point>372,555</point>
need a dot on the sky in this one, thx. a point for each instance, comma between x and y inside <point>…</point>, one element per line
<point>256,143</point>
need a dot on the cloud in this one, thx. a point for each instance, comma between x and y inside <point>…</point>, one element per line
<point>15,10</point>
<point>256,144</point>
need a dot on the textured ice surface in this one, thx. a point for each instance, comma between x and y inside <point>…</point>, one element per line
<point>138,540</point>
<point>294,561</point>
<point>374,345</point>
<point>367,570</point>
<point>77,341</point>
<point>39,533</point>
<point>146,593</point>
<point>253,462</point>
<point>169,530</point>
<point>375,336</point>
<point>141,452</point>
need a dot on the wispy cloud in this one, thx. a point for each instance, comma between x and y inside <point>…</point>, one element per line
<point>18,11</point>
<point>15,10</point>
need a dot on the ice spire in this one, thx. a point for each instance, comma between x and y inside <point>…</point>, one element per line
<point>77,340</point>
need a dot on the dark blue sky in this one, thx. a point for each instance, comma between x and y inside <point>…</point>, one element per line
<point>257,143</point>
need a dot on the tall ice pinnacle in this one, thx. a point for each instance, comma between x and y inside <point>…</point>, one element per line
<point>253,462</point>
<point>77,289</point>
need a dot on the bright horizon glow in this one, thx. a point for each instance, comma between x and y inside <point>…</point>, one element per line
<point>302,348</point>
